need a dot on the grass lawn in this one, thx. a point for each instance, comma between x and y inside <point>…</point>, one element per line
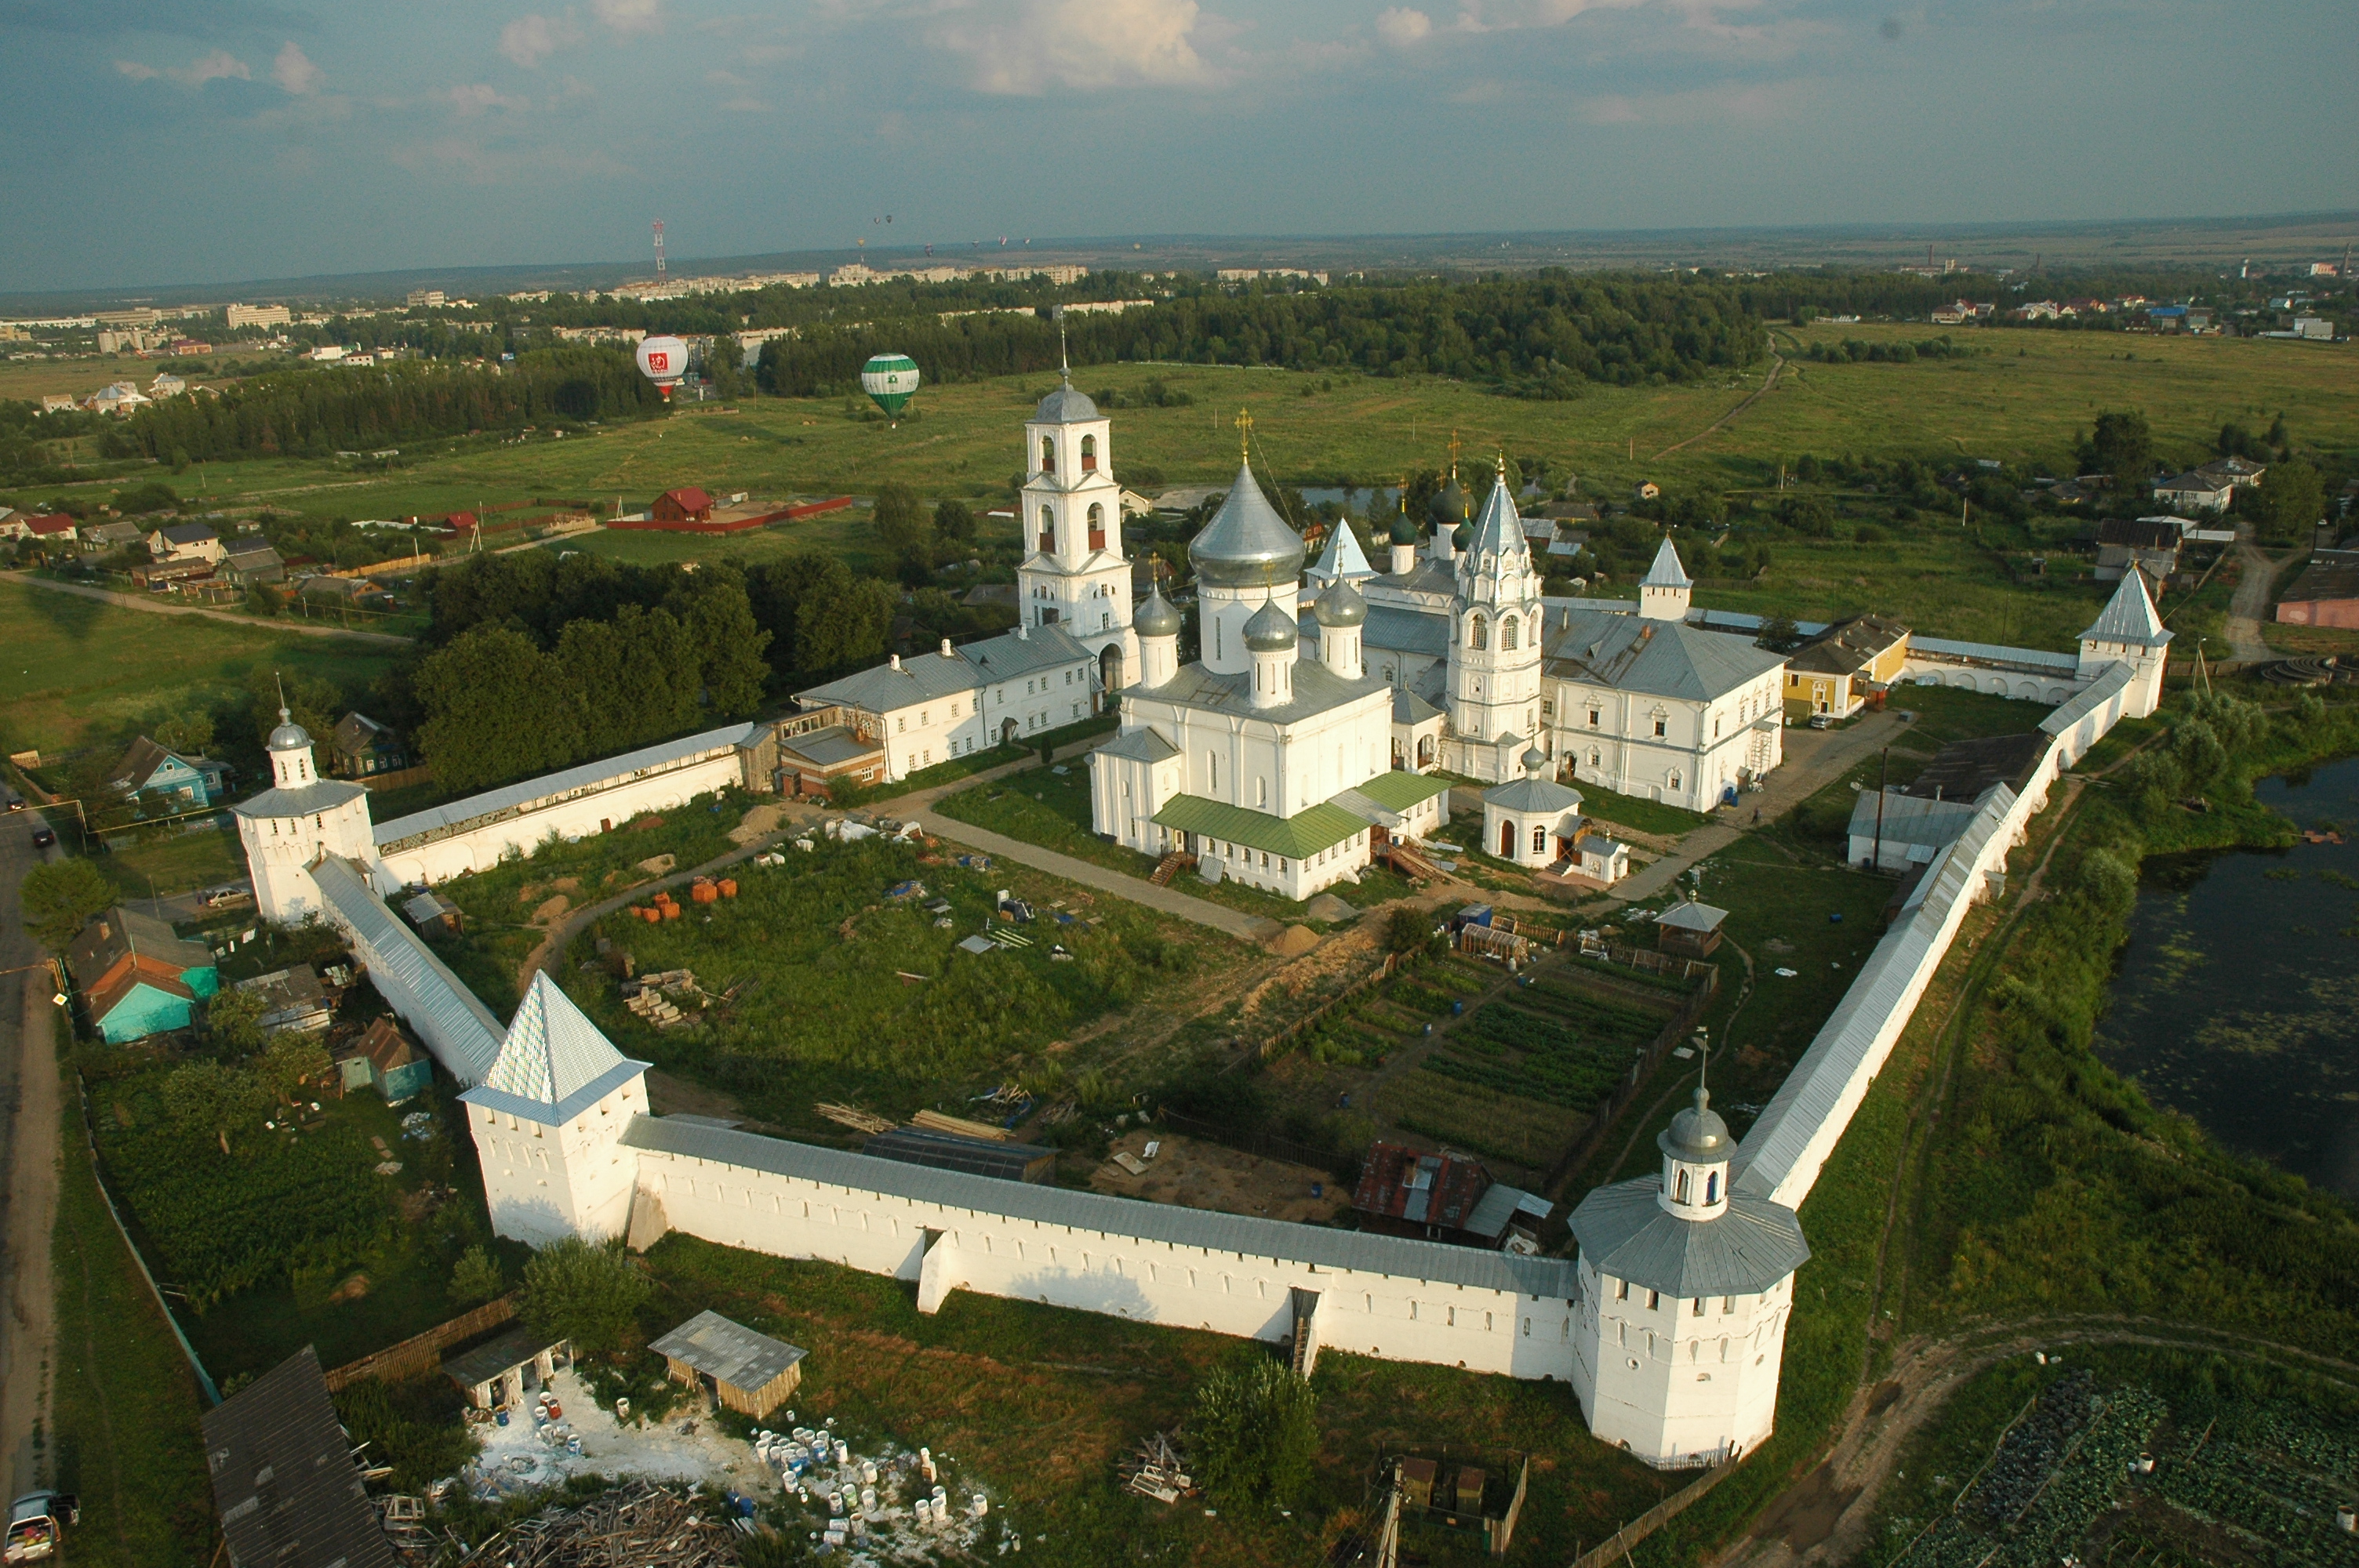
<point>1039,1404</point>
<point>86,669</point>
<point>123,1401</point>
<point>175,862</point>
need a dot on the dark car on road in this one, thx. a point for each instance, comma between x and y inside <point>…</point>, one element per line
<point>43,837</point>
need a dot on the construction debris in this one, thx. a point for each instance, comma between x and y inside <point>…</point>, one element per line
<point>642,1525</point>
<point>1154,1471</point>
<point>935,1121</point>
<point>854,1117</point>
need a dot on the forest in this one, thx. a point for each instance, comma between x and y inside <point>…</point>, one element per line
<point>313,412</point>
<point>1540,336</point>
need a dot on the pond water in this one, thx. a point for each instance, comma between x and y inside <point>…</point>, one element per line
<point>2237,997</point>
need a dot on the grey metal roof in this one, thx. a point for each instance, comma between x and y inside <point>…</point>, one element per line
<point>303,800</point>
<point>923,677</point>
<point>1158,617</point>
<point>1781,1155</point>
<point>729,1352</point>
<point>1341,605</point>
<point>836,743</point>
<point>1666,571</point>
<point>529,794</point>
<point>283,1476</point>
<point>1247,543</point>
<point>1627,1234</point>
<point>1343,558</point>
<point>1692,916</point>
<point>1995,653</point>
<point>1270,629</point>
<point>554,1064</point>
<point>1660,658</point>
<point>497,1356</point>
<point>2128,617</point>
<point>2110,682</point>
<point>1428,576</point>
<point>1142,745</point>
<point>1395,630</point>
<point>1317,690</point>
<point>1410,708</point>
<point>459,1029</point>
<point>1065,406</point>
<point>1910,819</point>
<point>951,1151</point>
<point>1499,530</point>
<point>1501,1202</point>
<point>1533,794</point>
<point>1243,1235</point>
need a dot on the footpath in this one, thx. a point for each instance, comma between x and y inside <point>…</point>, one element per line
<point>132,602</point>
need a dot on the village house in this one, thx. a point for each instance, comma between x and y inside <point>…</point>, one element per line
<point>178,542</point>
<point>2149,544</point>
<point>178,782</point>
<point>360,746</point>
<point>249,561</point>
<point>1836,670</point>
<point>137,976</point>
<point>2197,490</point>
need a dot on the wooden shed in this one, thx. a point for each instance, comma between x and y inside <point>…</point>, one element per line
<point>1692,928</point>
<point>751,1373</point>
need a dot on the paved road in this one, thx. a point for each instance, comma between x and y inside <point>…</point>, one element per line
<point>1814,759</point>
<point>28,1164</point>
<point>132,601</point>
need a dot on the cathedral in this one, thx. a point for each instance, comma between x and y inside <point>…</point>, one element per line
<point>1327,697</point>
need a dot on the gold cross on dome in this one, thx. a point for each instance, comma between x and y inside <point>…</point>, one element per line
<point>1454,453</point>
<point>1245,434</point>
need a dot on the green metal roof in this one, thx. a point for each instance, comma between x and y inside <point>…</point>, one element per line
<point>1298,837</point>
<point>1400,789</point>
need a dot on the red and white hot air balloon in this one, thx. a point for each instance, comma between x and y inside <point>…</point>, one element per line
<point>663,361</point>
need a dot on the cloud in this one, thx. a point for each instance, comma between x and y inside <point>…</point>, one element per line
<point>1084,44</point>
<point>1504,15</point>
<point>475,97</point>
<point>630,16</point>
<point>294,71</point>
<point>1402,27</point>
<point>217,66</point>
<point>528,40</point>
<point>136,72</point>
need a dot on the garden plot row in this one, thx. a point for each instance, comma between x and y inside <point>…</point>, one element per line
<point>2274,1474</point>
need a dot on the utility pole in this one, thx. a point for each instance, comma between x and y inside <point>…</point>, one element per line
<point>1883,775</point>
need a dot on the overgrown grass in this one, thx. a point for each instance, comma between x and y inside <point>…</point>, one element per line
<point>124,1404</point>
<point>173,862</point>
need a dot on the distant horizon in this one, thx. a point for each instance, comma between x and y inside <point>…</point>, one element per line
<point>1606,249</point>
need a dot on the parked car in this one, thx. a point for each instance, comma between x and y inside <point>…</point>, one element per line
<point>221,898</point>
<point>1822,720</point>
<point>43,837</point>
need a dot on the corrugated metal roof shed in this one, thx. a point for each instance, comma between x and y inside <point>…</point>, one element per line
<point>976,1156</point>
<point>289,1495</point>
<point>729,1352</point>
<point>1240,1235</point>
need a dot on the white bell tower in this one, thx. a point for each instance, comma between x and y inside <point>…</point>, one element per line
<point>1074,574</point>
<point>1495,649</point>
<point>300,818</point>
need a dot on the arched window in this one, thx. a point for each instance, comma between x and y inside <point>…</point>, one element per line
<point>1679,1188</point>
<point>1540,841</point>
<point>1479,635</point>
<point>1048,530</point>
<point>1712,1188</point>
<point>1097,513</point>
<point>1089,454</point>
<point>1047,454</point>
<point>1507,633</point>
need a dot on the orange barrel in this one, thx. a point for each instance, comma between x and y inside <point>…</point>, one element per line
<point>728,887</point>
<point>652,916</point>
<point>671,912</point>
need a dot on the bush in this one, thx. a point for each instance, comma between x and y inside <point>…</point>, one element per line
<point>1254,1434</point>
<point>60,899</point>
<point>584,1292</point>
<point>1406,929</point>
<point>477,1278</point>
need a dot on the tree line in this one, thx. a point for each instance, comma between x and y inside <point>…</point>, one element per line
<point>312,413</point>
<point>1545,334</point>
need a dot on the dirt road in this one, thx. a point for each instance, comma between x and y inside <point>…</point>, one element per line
<point>29,1163</point>
<point>1777,363</point>
<point>132,602</point>
<point>2251,604</point>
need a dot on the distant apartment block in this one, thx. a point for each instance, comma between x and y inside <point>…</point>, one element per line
<point>259,316</point>
<point>428,297</point>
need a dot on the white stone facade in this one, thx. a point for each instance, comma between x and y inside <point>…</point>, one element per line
<point>287,827</point>
<point>1074,574</point>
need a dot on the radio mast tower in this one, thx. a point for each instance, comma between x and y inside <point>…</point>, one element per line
<point>660,261</point>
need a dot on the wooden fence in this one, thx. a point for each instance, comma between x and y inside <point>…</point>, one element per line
<point>1618,1548</point>
<point>423,1352</point>
<point>1278,1044</point>
<point>1610,1108</point>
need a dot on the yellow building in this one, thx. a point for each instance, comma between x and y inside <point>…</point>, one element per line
<point>1834,671</point>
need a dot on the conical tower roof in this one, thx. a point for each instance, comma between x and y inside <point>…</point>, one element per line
<point>555,1063</point>
<point>1343,558</point>
<point>2129,616</point>
<point>1666,571</point>
<point>1499,530</point>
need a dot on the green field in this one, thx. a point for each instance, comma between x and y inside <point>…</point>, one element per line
<point>86,669</point>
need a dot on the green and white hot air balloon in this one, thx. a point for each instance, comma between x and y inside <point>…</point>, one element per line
<point>890,381</point>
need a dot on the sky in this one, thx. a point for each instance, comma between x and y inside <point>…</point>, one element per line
<point>202,141</point>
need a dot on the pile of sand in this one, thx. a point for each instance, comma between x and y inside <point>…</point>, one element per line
<point>552,910</point>
<point>656,865</point>
<point>1294,941</point>
<point>759,822</point>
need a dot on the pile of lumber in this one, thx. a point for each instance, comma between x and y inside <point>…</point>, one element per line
<point>854,1117</point>
<point>935,1121</point>
<point>1154,1471</point>
<point>637,1526</point>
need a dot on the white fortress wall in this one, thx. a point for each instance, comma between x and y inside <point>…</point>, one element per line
<point>1780,1157</point>
<point>472,834</point>
<point>447,1017</point>
<point>1381,1296</point>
